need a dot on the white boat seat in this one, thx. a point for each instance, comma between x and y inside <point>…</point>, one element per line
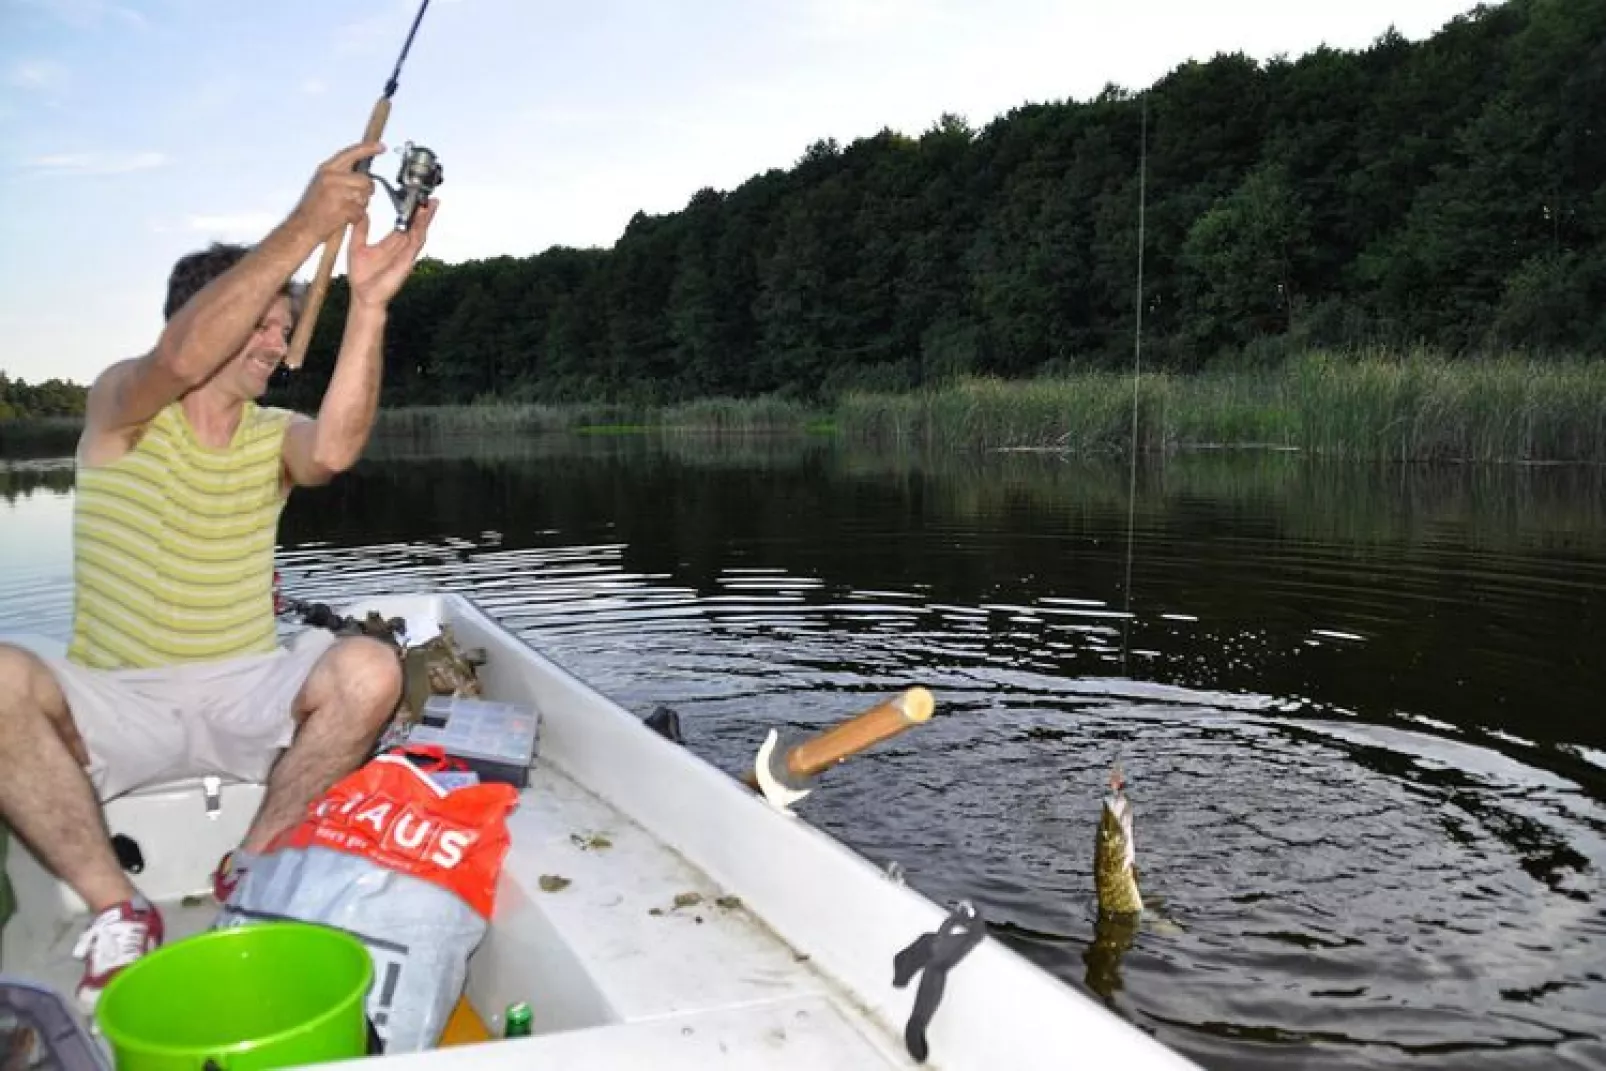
<point>181,829</point>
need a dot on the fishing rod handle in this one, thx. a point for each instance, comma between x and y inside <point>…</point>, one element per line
<point>881,722</point>
<point>302,337</point>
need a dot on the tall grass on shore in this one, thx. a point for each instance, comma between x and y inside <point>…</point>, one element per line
<point>742,415</point>
<point>495,418</point>
<point>1425,409</point>
<point>525,430</point>
<point>1089,413</point>
<point>492,418</point>
<point>423,426</point>
<point>1378,405</point>
<point>1373,405</point>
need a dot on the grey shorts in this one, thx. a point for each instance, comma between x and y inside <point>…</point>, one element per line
<point>228,717</point>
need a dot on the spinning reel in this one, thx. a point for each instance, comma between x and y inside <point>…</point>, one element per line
<point>419,175</point>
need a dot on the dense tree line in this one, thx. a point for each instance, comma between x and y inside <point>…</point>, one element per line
<point>1447,192</point>
<point>21,400</point>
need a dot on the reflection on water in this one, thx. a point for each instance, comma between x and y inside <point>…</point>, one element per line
<point>1358,707</point>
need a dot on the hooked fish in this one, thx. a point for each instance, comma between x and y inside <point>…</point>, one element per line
<point>1114,857</point>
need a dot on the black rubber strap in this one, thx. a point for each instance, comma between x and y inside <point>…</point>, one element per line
<point>933,955</point>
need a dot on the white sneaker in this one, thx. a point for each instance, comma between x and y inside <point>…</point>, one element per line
<point>113,939</point>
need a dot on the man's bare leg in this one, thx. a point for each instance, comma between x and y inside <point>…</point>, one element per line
<point>349,696</point>
<point>44,793</point>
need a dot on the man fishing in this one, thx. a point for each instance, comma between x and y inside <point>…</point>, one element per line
<point>173,668</point>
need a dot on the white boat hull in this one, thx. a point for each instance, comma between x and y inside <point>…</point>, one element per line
<point>797,974</point>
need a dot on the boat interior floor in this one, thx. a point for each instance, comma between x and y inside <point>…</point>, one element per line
<point>627,954</point>
<point>640,953</point>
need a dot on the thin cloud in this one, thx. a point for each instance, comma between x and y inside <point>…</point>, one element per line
<point>314,87</point>
<point>95,163</point>
<point>89,14</point>
<point>38,75</point>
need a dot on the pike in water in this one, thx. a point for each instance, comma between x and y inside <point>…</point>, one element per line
<point>1114,858</point>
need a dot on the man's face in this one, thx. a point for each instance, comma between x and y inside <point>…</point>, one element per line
<point>260,356</point>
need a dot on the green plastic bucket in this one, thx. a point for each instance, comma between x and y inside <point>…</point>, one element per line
<point>269,994</point>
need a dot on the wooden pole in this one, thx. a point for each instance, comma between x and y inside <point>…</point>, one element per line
<point>881,722</point>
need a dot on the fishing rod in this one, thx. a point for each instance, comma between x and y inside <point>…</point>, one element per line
<point>419,175</point>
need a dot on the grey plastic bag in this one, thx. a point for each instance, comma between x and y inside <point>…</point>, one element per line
<point>39,1032</point>
<point>419,934</point>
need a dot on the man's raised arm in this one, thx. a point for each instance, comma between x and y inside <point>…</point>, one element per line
<point>315,450</point>
<point>214,324</point>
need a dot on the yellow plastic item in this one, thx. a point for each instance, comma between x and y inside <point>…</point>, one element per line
<point>464,1027</point>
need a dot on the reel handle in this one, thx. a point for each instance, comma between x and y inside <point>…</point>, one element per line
<point>302,336</point>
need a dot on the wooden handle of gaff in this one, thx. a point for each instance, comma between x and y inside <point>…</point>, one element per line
<point>302,337</point>
<point>881,722</point>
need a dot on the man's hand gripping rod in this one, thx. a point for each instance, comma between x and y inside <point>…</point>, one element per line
<point>331,249</point>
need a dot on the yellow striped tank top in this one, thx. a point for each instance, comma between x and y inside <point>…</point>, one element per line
<point>173,546</point>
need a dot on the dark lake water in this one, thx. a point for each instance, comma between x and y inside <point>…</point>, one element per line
<point>1360,708</point>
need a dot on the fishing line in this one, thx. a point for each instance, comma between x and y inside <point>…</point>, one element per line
<point>1137,364</point>
<point>395,75</point>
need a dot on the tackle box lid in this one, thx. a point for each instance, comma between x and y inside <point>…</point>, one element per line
<point>479,728</point>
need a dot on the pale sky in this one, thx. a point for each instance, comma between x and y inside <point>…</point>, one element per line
<point>134,131</point>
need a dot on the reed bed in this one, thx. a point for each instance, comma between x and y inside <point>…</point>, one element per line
<point>762,414</point>
<point>1412,406</point>
<point>1357,404</point>
<point>498,419</point>
<point>1422,408</point>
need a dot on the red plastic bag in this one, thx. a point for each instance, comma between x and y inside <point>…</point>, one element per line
<point>434,757</point>
<point>391,813</point>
